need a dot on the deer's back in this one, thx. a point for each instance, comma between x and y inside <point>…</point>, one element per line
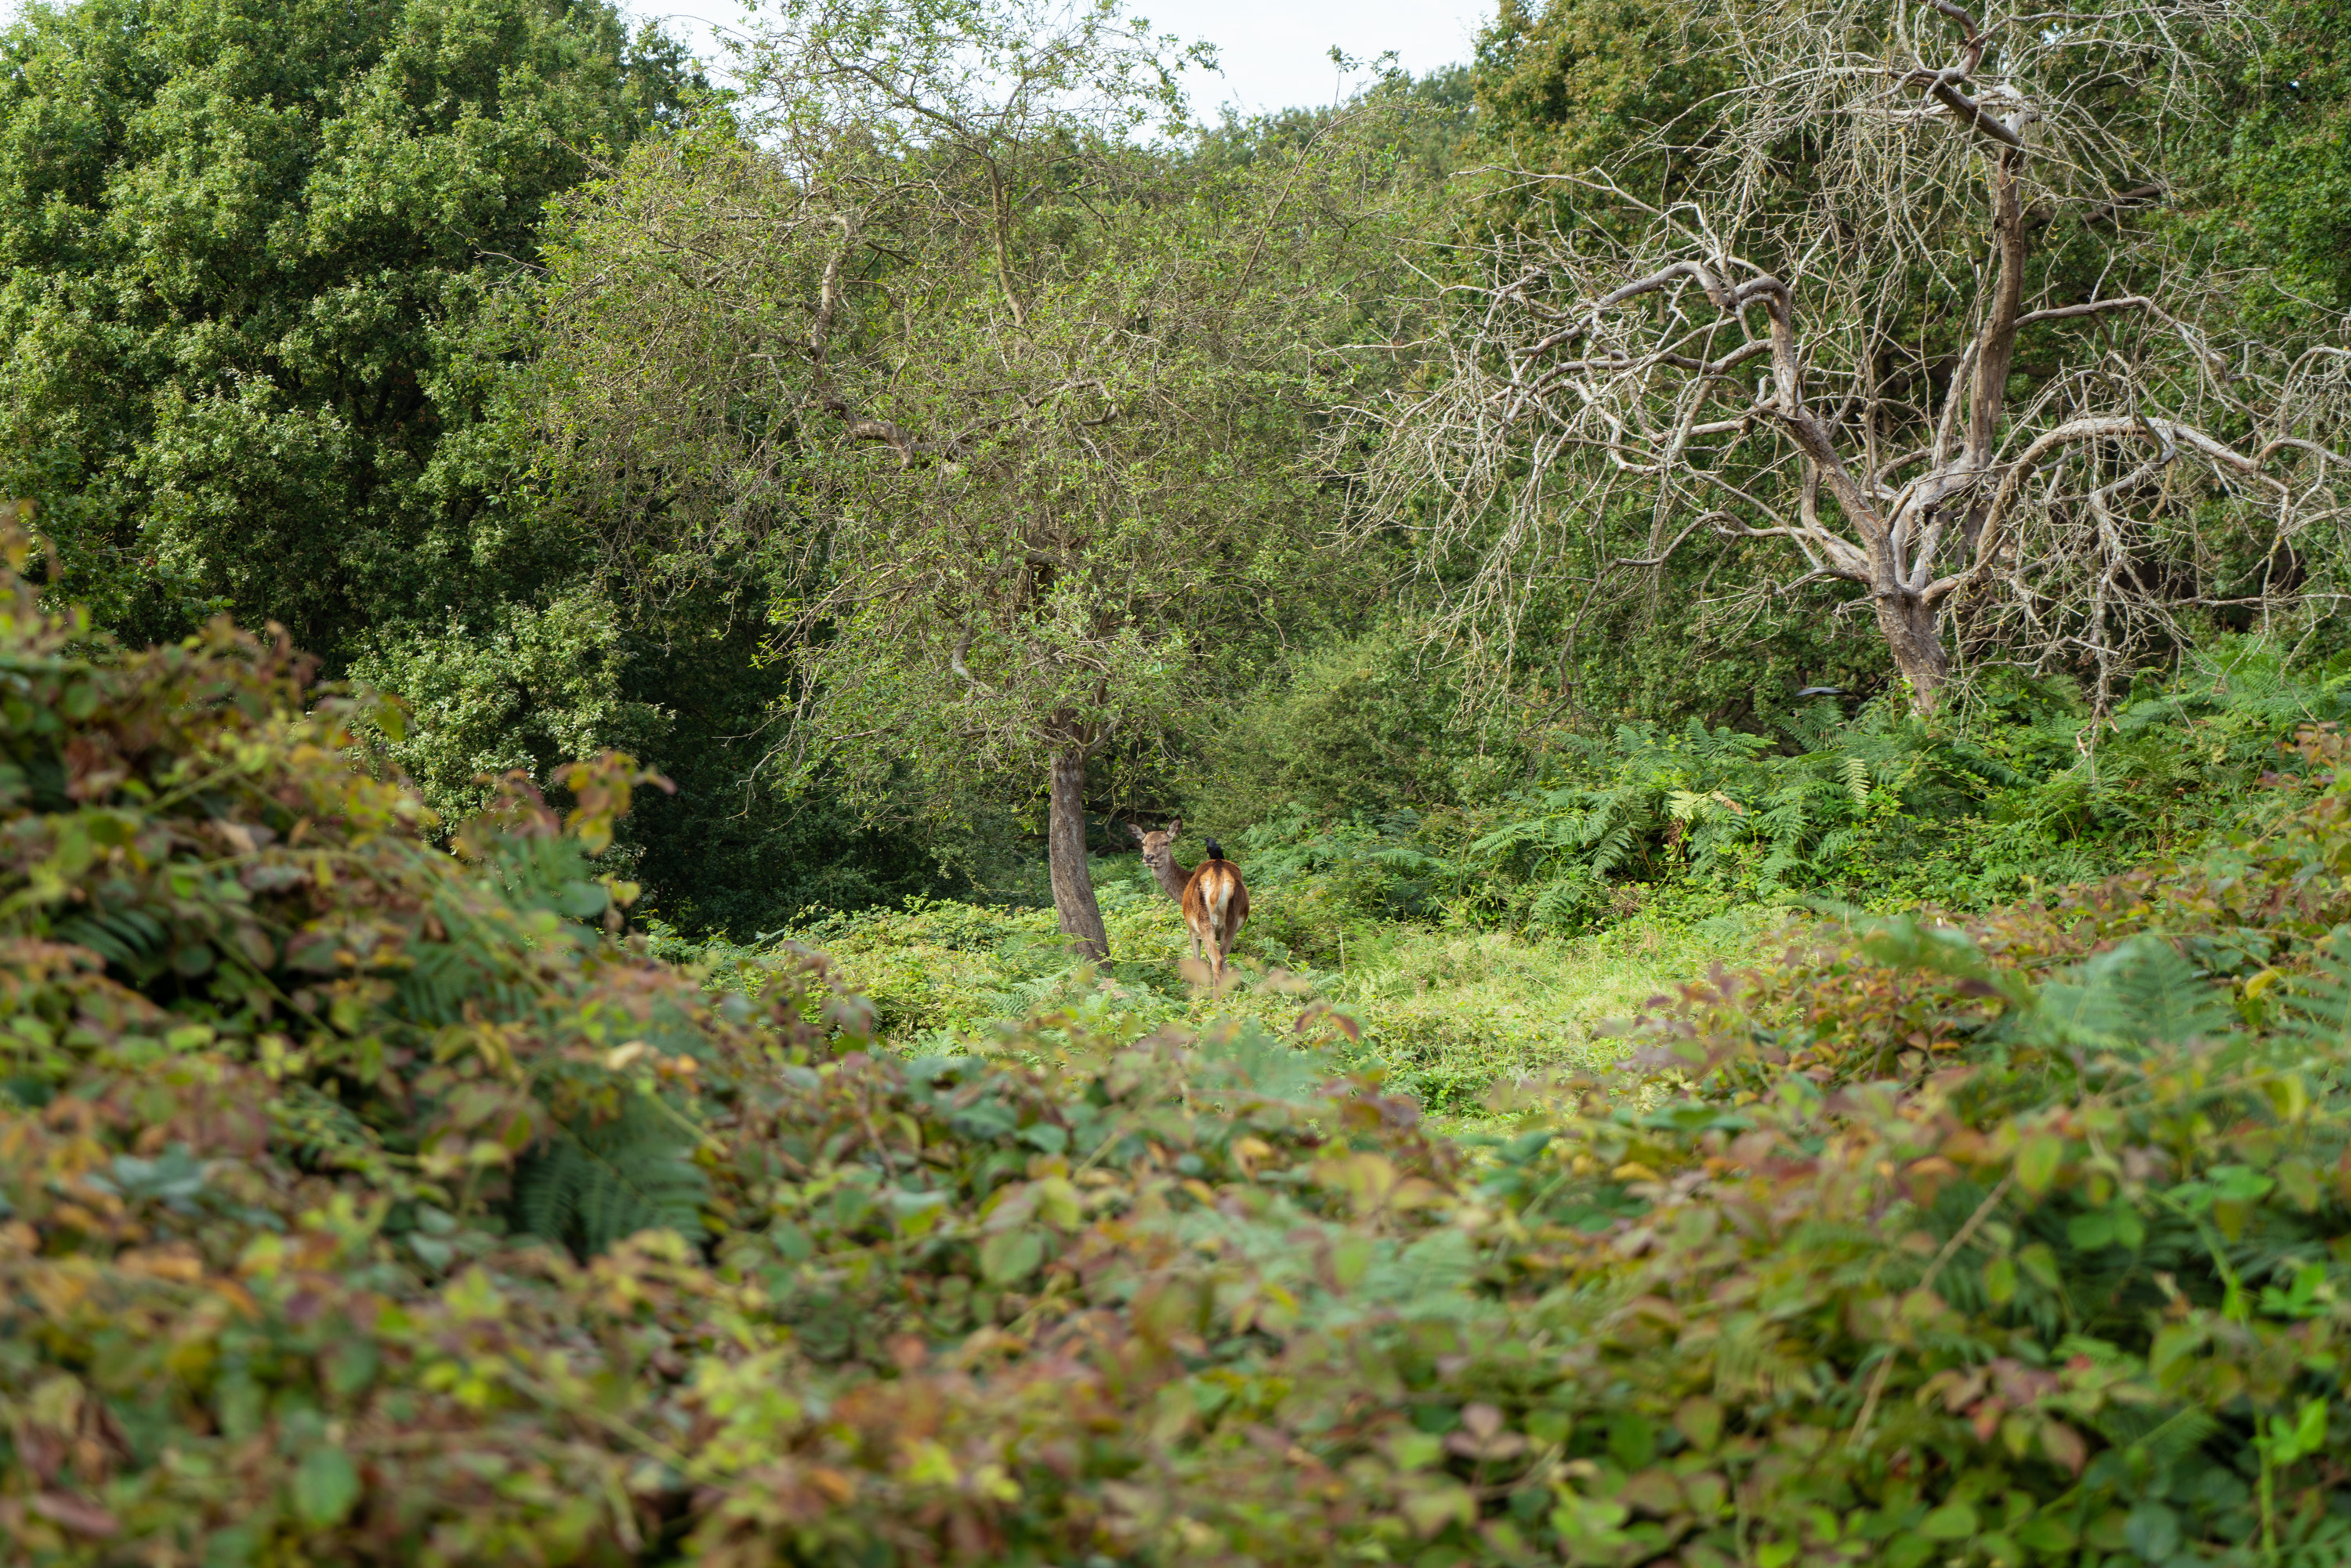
<point>1215,883</point>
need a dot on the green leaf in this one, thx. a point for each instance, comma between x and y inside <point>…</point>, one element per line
<point>1952,1522</point>
<point>2037,1160</point>
<point>1350,1259</point>
<point>2046,1534</point>
<point>2310,1429</point>
<point>1908,1550</point>
<point>2090,1232</point>
<point>2039,1262</point>
<point>2172,1342</point>
<point>1414,1451</point>
<point>1699,1420</point>
<point>2153,1531</point>
<point>349,1365</point>
<point>1010,1257</point>
<point>1631,1441</point>
<point>1047,1136</point>
<point>325,1486</point>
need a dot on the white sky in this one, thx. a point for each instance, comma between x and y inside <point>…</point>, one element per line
<point>1275,53</point>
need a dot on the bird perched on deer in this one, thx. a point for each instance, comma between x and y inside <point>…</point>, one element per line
<point>1213,898</point>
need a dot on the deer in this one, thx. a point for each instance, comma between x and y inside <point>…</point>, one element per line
<point>1213,900</point>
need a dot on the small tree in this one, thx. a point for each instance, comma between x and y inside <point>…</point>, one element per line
<point>1908,309</point>
<point>1006,404</point>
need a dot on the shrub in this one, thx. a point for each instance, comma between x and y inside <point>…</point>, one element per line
<point>1362,726</point>
<point>2030,1242</point>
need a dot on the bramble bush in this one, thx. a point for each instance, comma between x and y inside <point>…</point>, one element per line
<point>361,1202</point>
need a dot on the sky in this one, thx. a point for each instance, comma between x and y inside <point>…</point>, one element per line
<point>1275,53</point>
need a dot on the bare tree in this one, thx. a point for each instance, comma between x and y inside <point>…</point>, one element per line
<point>1911,311</point>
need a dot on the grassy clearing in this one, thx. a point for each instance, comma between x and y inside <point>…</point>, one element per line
<point>1444,1012</point>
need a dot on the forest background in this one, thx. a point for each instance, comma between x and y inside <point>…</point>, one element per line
<point>1504,508</point>
<point>327,337</point>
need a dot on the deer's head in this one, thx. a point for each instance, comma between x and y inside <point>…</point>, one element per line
<point>1158,849</point>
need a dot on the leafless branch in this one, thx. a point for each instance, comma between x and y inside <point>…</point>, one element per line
<point>1775,341</point>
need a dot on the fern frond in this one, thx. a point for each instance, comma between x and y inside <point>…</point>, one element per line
<point>2320,1011</point>
<point>2145,993</point>
<point>590,1185</point>
<point>1856,778</point>
<point>1612,849</point>
<point>1560,902</point>
<point>128,938</point>
<point>2165,1437</point>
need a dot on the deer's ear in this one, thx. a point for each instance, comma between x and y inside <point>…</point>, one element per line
<point>1136,828</point>
<point>1175,828</point>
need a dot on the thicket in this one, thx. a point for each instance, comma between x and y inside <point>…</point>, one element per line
<point>325,1158</point>
<point>1563,829</point>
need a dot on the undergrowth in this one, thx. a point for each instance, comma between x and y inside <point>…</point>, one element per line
<point>2019,790</point>
<point>2021,1239</point>
<point>1475,945</point>
<point>1444,1011</point>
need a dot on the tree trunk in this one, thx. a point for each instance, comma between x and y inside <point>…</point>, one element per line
<point>1916,639</point>
<point>1065,839</point>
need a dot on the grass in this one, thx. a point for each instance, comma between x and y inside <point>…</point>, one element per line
<point>1445,1013</point>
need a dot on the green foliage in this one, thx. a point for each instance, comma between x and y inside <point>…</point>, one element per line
<point>1666,798</point>
<point>2280,179</point>
<point>1441,1014</point>
<point>1574,86</point>
<point>2030,1240</point>
<point>367,1194</point>
<point>247,244</point>
<point>2026,790</point>
<point>590,1186</point>
<point>1036,479</point>
<point>528,690</point>
<point>1359,725</point>
<point>269,309</point>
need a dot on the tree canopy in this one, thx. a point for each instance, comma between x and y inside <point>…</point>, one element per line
<point>245,242</point>
<point>1008,410</point>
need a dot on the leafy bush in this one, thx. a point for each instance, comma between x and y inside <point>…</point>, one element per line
<point>1361,725</point>
<point>1646,803</point>
<point>535,688</point>
<point>2030,1243</point>
<point>1880,808</point>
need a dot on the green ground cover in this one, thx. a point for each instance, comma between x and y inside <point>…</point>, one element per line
<point>1473,946</point>
<point>1682,1104</point>
<point>1444,1013</point>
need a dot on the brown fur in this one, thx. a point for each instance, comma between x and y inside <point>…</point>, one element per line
<point>1213,898</point>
